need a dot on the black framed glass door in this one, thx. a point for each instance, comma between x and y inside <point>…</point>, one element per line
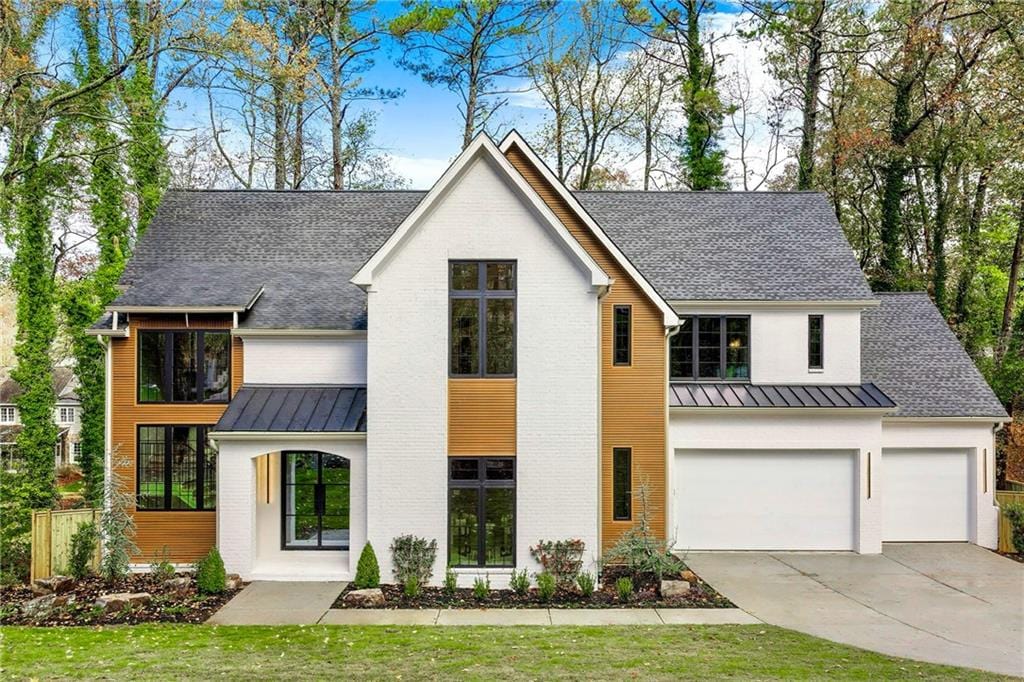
<point>315,501</point>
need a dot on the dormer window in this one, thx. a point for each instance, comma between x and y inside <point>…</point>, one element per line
<point>482,318</point>
<point>711,348</point>
<point>8,415</point>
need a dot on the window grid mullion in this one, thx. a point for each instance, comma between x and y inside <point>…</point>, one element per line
<point>168,461</point>
<point>200,466</point>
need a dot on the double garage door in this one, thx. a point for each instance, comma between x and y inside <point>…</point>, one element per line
<point>806,499</point>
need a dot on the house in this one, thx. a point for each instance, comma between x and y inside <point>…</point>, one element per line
<point>501,360</point>
<point>67,415</point>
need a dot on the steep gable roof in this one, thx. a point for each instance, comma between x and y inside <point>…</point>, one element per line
<point>909,351</point>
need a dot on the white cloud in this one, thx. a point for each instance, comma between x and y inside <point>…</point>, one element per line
<point>421,172</point>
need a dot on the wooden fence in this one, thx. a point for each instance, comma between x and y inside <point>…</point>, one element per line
<point>51,539</point>
<point>1005,531</point>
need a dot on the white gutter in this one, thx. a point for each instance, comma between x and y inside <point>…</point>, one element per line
<point>932,420</point>
<point>777,410</point>
<point>757,304</point>
<point>244,332</point>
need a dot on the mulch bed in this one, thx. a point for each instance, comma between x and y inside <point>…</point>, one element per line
<point>646,595</point>
<point>1016,557</point>
<point>168,605</point>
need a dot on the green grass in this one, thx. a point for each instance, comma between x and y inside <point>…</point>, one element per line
<point>161,652</point>
<point>75,487</point>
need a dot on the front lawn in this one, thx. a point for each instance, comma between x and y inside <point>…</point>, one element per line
<point>339,652</point>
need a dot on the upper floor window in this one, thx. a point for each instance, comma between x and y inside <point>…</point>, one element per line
<point>66,415</point>
<point>8,415</point>
<point>622,322</point>
<point>184,366</point>
<point>815,342</point>
<point>711,348</point>
<point>482,318</point>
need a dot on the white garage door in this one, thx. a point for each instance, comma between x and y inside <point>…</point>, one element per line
<point>925,495</point>
<point>765,499</point>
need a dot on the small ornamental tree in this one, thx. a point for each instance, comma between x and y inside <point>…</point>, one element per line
<point>83,547</point>
<point>367,570</point>
<point>211,577</point>
<point>117,527</point>
<point>561,558</point>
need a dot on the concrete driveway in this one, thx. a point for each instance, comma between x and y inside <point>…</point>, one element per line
<point>949,603</point>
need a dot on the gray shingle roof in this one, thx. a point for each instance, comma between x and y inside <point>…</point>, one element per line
<point>218,247</point>
<point>320,408</point>
<point>758,246</point>
<point>302,247</point>
<point>777,395</point>
<point>910,352</point>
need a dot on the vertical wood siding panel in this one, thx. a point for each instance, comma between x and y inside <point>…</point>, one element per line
<point>633,398</point>
<point>187,535</point>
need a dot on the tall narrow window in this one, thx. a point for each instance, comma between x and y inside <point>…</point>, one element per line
<point>622,484</point>
<point>482,318</point>
<point>815,342</point>
<point>481,511</point>
<point>622,334</point>
<point>176,469</point>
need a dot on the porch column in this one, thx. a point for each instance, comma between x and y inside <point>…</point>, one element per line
<point>236,514</point>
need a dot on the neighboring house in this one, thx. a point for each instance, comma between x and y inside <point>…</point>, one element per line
<point>67,415</point>
<point>501,360</point>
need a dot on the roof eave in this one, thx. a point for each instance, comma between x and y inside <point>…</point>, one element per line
<point>758,303</point>
<point>776,409</point>
<point>286,435</point>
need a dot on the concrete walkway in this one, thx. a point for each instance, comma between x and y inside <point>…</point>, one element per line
<point>949,603</point>
<point>308,603</point>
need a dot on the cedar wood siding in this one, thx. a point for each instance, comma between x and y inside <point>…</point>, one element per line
<point>187,535</point>
<point>633,398</point>
<point>481,416</point>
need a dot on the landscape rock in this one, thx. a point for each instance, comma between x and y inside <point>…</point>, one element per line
<point>178,584</point>
<point>372,597</point>
<point>674,588</point>
<point>55,584</point>
<point>233,582</point>
<point>42,606</point>
<point>689,576</point>
<point>115,602</point>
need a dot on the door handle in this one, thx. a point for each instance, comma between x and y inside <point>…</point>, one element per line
<point>320,498</point>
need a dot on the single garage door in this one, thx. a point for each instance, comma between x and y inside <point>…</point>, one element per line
<point>765,499</point>
<point>925,495</point>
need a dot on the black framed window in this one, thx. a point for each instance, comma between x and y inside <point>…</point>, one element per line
<point>482,318</point>
<point>184,366</point>
<point>315,490</point>
<point>711,348</point>
<point>481,511</point>
<point>815,342</point>
<point>176,468</point>
<point>622,484</point>
<point>622,334</point>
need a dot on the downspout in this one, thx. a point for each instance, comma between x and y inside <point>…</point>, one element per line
<point>602,292</point>
<point>107,412</point>
<point>670,496</point>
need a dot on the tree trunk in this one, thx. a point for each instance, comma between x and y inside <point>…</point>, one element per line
<point>1011,289</point>
<point>297,146</point>
<point>337,178</point>
<point>969,247</point>
<point>940,270</point>
<point>471,104</point>
<point>812,81</point>
<point>280,162</point>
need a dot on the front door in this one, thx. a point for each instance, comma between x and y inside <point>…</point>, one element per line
<point>316,501</point>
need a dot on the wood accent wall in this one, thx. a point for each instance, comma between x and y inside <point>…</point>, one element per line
<point>481,416</point>
<point>633,398</point>
<point>187,535</point>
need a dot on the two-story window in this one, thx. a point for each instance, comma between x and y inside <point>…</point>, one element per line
<point>8,415</point>
<point>176,469</point>
<point>711,348</point>
<point>184,366</point>
<point>482,318</point>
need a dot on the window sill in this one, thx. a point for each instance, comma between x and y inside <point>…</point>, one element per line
<point>816,371</point>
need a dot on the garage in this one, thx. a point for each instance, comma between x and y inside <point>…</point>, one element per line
<point>926,495</point>
<point>765,499</point>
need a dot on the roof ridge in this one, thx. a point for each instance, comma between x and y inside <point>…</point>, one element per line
<point>242,190</point>
<point>697,192</point>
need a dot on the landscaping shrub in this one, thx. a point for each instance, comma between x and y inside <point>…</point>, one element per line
<point>520,582</point>
<point>1014,513</point>
<point>639,550</point>
<point>210,575</point>
<point>83,548</point>
<point>481,588</point>
<point>624,588</point>
<point>561,558</point>
<point>413,556</point>
<point>411,587</point>
<point>586,582</point>
<point>117,525</point>
<point>161,566</point>
<point>451,582</point>
<point>546,586</point>
<point>367,570</point>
